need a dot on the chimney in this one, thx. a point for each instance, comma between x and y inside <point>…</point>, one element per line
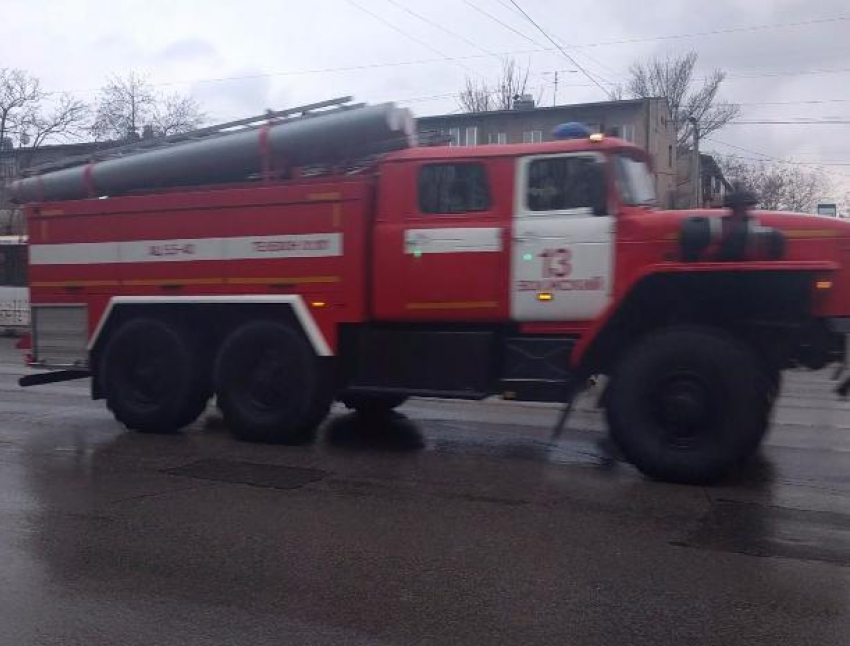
<point>523,102</point>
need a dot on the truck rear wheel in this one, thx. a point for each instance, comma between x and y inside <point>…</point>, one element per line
<point>152,377</point>
<point>269,386</point>
<point>686,405</point>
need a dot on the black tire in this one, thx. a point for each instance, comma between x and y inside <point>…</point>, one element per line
<point>376,404</point>
<point>268,384</point>
<point>323,399</point>
<point>152,376</point>
<point>685,405</point>
<point>770,389</point>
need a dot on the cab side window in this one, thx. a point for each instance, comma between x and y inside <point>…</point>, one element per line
<point>453,188</point>
<point>564,183</point>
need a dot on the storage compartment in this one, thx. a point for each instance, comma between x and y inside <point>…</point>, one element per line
<point>60,335</point>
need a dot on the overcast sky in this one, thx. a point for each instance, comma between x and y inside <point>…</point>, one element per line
<point>241,57</point>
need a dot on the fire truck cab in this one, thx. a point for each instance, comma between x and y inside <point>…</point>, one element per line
<point>510,270</point>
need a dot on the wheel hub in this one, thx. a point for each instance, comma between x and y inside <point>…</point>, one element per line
<point>683,408</point>
<point>147,377</point>
<point>266,382</point>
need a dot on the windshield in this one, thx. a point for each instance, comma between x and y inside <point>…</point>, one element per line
<point>634,181</point>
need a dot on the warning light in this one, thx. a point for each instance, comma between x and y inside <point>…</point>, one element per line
<point>417,253</point>
<point>571,130</point>
<point>545,296</point>
<point>528,257</point>
<point>318,304</point>
<point>823,284</point>
<point>596,137</point>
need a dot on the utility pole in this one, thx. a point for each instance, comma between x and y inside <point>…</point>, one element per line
<point>695,170</point>
<point>555,93</point>
<point>556,78</point>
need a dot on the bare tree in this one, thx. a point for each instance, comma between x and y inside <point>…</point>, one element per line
<point>176,113</point>
<point>480,96</point>
<point>512,82</point>
<point>475,97</point>
<point>65,120</point>
<point>127,104</point>
<point>20,93</point>
<point>673,78</point>
<point>123,106</point>
<point>29,117</point>
<point>779,186</point>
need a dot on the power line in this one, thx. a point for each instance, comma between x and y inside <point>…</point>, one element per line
<point>698,34</point>
<point>503,23</point>
<point>839,70</point>
<point>717,32</point>
<point>803,102</point>
<point>442,58</point>
<point>410,36</point>
<point>790,122</point>
<point>440,27</point>
<point>560,49</point>
<point>764,157</point>
<point>512,9</point>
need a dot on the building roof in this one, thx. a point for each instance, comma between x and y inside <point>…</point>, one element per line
<point>460,116</point>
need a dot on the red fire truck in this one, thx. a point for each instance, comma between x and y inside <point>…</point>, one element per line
<point>321,256</point>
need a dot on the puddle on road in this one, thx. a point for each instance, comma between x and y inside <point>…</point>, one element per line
<point>761,530</point>
<point>397,433</point>
<point>271,476</point>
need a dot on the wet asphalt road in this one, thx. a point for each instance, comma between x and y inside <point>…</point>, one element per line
<point>457,523</point>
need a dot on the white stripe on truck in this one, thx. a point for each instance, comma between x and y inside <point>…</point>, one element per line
<point>309,245</point>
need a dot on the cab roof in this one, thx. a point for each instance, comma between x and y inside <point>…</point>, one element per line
<point>583,144</point>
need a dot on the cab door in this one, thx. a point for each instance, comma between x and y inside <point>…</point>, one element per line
<point>441,243</point>
<point>562,257</point>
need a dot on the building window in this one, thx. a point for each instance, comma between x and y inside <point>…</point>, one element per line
<point>626,132</point>
<point>453,188</point>
<point>497,138</point>
<point>563,183</point>
<point>472,136</point>
<point>454,136</point>
<point>670,156</point>
<point>8,168</point>
<point>532,137</point>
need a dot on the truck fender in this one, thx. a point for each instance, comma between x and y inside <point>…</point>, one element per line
<point>594,335</point>
<point>293,301</point>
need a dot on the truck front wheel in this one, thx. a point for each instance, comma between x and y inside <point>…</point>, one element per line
<point>152,376</point>
<point>685,405</point>
<point>268,384</point>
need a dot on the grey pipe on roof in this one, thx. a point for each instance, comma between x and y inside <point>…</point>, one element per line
<point>230,157</point>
